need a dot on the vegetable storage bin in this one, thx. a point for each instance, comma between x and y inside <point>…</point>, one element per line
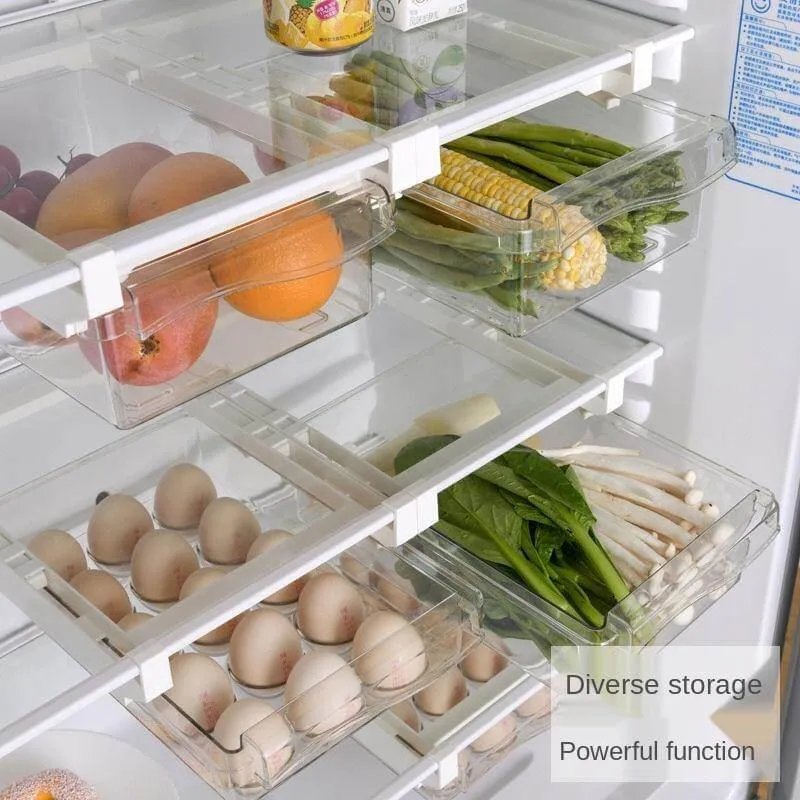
<point>673,595</point>
<point>517,255</point>
<point>207,312</point>
<point>441,624</point>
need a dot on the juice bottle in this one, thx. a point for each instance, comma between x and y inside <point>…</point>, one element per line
<point>319,26</point>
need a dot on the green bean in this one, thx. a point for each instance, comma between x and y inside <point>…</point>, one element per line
<point>455,279</point>
<point>439,234</point>
<point>450,257</point>
<point>509,295</point>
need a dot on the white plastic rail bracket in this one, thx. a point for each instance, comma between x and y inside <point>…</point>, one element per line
<point>638,75</point>
<point>100,282</point>
<point>614,395</point>
<point>412,515</point>
<point>154,679</point>
<point>413,157</point>
<point>447,772</point>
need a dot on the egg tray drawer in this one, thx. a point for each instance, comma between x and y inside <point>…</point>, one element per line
<point>299,503</point>
<point>423,731</point>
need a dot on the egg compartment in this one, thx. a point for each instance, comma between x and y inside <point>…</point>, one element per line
<point>422,731</point>
<point>443,621</point>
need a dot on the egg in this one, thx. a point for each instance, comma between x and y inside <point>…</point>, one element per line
<point>498,736</point>
<point>104,592</point>
<point>329,609</point>
<point>266,541</point>
<point>407,714</point>
<point>388,651</point>
<point>161,562</point>
<point>486,660</point>
<point>355,569</point>
<point>227,531</point>
<point>198,581</point>
<point>537,705</point>
<point>116,525</point>
<point>60,551</point>
<point>181,497</point>
<point>322,692</point>
<point>134,620</point>
<point>446,691</point>
<point>398,593</point>
<point>264,648</point>
<point>266,731</point>
<point>201,689</point>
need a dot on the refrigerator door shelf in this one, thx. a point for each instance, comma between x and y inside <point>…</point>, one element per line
<point>203,77</point>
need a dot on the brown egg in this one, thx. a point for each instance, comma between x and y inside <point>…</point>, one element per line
<point>162,561</point>
<point>116,525</point>
<point>134,620</point>
<point>330,609</point>
<point>389,651</point>
<point>227,531</point>
<point>323,692</point>
<point>60,551</point>
<point>264,648</point>
<point>200,688</point>
<point>266,541</point>
<point>265,729</point>
<point>539,704</point>
<point>497,737</point>
<point>181,497</point>
<point>485,660</point>
<point>446,691</point>
<point>104,592</point>
<point>398,593</point>
<point>196,582</point>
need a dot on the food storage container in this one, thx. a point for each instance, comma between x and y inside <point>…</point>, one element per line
<point>281,495</point>
<point>674,595</point>
<point>518,259</point>
<point>201,312</point>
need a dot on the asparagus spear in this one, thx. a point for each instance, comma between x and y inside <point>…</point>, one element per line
<point>478,263</point>
<point>571,154</point>
<point>519,131</point>
<point>439,234</point>
<point>452,278</point>
<point>515,153</point>
<point>524,175</point>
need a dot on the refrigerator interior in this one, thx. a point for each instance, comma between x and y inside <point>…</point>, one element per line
<point>691,394</point>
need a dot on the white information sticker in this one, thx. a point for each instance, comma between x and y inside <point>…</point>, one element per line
<point>765,96</point>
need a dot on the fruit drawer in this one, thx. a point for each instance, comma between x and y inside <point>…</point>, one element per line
<point>535,215</point>
<point>192,518</point>
<point>111,169</point>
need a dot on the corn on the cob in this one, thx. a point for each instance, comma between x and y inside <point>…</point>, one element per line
<point>581,265</point>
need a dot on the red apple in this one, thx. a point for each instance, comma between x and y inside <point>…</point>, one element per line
<point>29,329</point>
<point>168,352</point>
<point>267,163</point>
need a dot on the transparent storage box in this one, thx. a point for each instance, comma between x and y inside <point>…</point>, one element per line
<point>519,265</point>
<point>672,597</point>
<point>197,317</point>
<point>440,623</point>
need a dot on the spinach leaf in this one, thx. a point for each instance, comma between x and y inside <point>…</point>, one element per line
<point>523,509</point>
<point>473,542</point>
<point>419,449</point>
<point>550,482</point>
<point>549,540</point>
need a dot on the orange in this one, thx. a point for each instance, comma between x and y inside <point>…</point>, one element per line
<point>293,271</point>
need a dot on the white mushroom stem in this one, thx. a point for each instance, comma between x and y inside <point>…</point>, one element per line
<point>710,510</point>
<point>647,537</point>
<point>633,546</point>
<point>583,449</point>
<point>638,515</point>
<point>630,567</point>
<point>690,476</point>
<point>644,495</point>
<point>693,497</point>
<point>636,468</point>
